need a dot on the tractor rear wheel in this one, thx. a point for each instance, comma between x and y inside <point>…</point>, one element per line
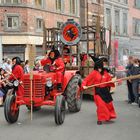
<point>35,108</point>
<point>60,109</point>
<point>11,111</point>
<point>73,94</point>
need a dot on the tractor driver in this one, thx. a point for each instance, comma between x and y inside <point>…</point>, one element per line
<point>66,52</point>
<point>56,64</point>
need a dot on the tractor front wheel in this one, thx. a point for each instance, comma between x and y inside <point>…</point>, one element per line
<point>139,102</point>
<point>11,110</point>
<point>60,109</point>
<point>74,94</point>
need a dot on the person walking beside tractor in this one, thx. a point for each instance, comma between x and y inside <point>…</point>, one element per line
<point>102,96</point>
<point>17,73</point>
<point>56,64</point>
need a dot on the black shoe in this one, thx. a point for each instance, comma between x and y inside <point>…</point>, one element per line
<point>59,87</point>
<point>99,123</point>
<point>130,102</point>
<point>1,105</point>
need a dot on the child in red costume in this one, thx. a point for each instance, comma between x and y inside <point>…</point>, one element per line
<point>102,96</point>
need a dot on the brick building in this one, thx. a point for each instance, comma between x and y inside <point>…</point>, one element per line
<point>21,23</point>
<point>89,10</point>
<point>134,27</point>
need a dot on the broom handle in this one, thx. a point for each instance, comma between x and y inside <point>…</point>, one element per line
<point>31,99</point>
<point>121,79</point>
<point>31,90</point>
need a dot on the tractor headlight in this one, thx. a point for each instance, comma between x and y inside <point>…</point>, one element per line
<point>16,83</point>
<point>49,83</point>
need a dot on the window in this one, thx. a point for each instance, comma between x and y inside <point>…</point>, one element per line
<point>59,5</point>
<point>13,22</point>
<point>39,3</point>
<point>39,24</point>
<point>94,20</point>
<point>136,23</point>
<point>125,1</point>
<point>73,6</point>
<point>108,18</point>
<point>117,22</point>
<point>59,24</point>
<point>124,23</point>
<point>9,1</point>
<point>1,1</point>
<point>137,3</point>
<point>96,1</point>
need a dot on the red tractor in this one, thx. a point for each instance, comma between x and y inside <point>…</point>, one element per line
<point>44,92</point>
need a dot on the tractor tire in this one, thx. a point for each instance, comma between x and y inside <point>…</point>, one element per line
<point>11,115</point>
<point>34,108</point>
<point>139,102</point>
<point>60,109</point>
<point>73,102</point>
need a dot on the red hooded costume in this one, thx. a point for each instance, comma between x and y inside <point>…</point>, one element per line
<point>17,73</point>
<point>55,64</point>
<point>102,96</point>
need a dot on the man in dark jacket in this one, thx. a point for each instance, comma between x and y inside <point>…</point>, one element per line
<point>129,67</point>
<point>135,82</point>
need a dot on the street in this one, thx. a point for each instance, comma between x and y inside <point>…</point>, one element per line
<point>79,126</point>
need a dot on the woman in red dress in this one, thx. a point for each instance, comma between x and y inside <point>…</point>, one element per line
<point>102,96</point>
<point>17,73</point>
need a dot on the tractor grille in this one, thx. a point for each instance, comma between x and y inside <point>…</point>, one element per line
<point>37,88</point>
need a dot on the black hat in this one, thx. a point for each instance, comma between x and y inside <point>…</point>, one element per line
<point>56,52</point>
<point>66,50</point>
<point>98,62</point>
<point>18,60</point>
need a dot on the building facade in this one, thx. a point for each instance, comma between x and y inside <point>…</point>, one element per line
<point>134,27</point>
<point>90,10</point>
<point>116,18</point>
<point>21,23</point>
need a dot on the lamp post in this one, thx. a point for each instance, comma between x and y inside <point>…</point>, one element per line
<point>87,29</point>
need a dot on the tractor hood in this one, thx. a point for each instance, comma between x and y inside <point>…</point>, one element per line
<point>42,76</point>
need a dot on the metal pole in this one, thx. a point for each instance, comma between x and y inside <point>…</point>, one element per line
<point>87,35</point>
<point>44,38</point>
<point>87,30</point>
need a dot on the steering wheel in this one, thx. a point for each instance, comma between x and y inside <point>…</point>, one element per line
<point>46,68</point>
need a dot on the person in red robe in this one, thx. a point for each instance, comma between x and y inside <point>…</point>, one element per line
<point>56,65</point>
<point>17,74</point>
<point>102,96</point>
<point>46,60</point>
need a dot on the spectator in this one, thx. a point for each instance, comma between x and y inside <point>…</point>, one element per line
<point>135,82</point>
<point>2,86</point>
<point>139,62</point>
<point>131,97</point>
<point>1,92</point>
<point>26,67</point>
<point>37,66</point>
<point>7,64</point>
